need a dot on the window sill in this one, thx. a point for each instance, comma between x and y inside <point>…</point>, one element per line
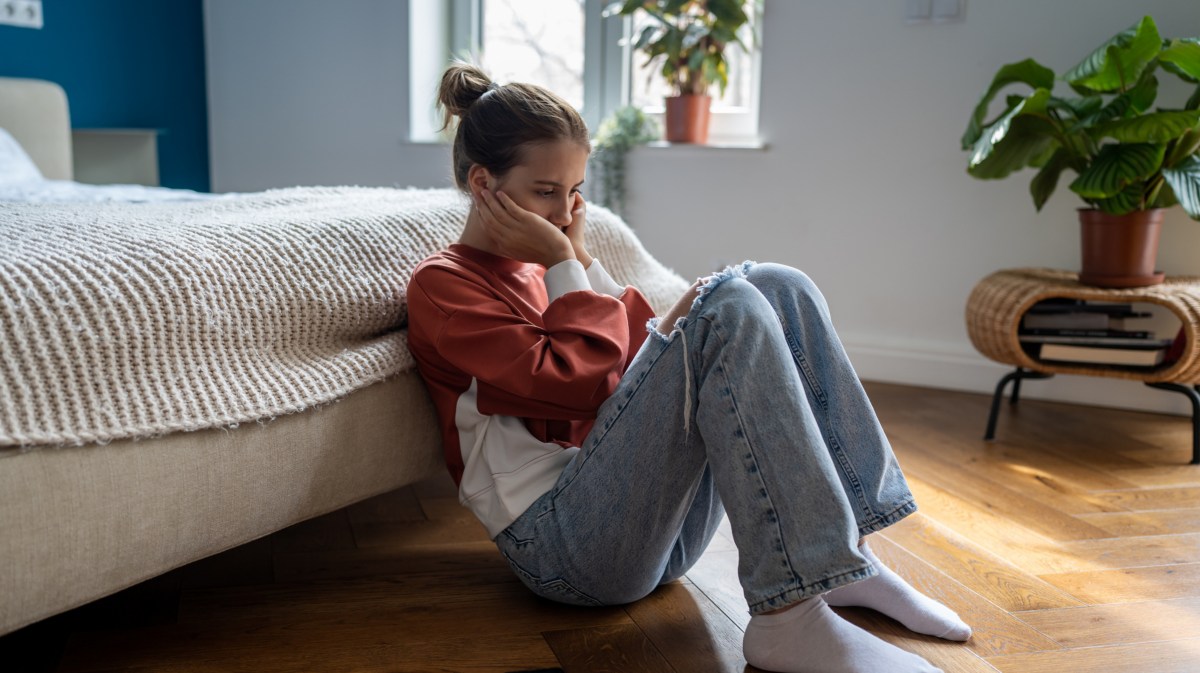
<point>753,145</point>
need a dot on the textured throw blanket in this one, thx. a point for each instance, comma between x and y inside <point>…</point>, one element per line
<point>135,320</point>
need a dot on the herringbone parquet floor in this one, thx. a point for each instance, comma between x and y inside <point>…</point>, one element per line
<point>1071,544</point>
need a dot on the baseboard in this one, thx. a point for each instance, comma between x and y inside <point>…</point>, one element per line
<point>952,367</point>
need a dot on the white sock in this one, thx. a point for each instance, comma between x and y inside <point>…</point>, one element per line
<point>811,638</point>
<point>888,593</point>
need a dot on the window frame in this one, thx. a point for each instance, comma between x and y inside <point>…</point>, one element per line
<point>607,69</point>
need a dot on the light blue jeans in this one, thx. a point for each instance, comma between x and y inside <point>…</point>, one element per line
<point>750,407</point>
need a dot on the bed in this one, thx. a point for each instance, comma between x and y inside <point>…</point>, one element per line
<point>181,373</point>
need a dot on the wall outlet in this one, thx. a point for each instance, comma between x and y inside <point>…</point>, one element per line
<point>23,13</point>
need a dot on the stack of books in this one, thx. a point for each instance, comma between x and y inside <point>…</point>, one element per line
<point>1078,331</point>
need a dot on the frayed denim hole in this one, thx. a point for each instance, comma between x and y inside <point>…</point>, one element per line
<point>652,327</point>
<point>653,323</point>
<point>731,271</point>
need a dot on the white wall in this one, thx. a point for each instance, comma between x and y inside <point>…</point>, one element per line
<point>306,92</point>
<point>862,184</point>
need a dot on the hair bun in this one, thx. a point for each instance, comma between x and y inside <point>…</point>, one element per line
<point>462,84</point>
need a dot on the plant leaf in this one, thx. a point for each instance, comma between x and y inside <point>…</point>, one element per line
<point>1128,104</point>
<point>1187,145</point>
<point>1028,72</point>
<point>1184,180</point>
<point>728,12</point>
<point>1119,62</point>
<point>1040,159</point>
<point>1125,201</point>
<point>1022,135</point>
<point>1157,127</point>
<point>1079,108</point>
<point>1142,96</point>
<point>623,7</point>
<point>692,37</point>
<point>645,37</point>
<point>1116,167</point>
<point>1182,57</point>
<point>1166,198</point>
<point>1047,178</point>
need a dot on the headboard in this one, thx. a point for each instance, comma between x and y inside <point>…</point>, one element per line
<point>35,112</point>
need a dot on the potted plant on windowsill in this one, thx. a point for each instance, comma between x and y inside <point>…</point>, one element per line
<point>626,128</point>
<point>1130,161</point>
<point>689,37</point>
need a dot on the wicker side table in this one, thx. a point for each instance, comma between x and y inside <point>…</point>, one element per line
<point>998,302</point>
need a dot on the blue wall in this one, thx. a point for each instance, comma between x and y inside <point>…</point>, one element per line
<point>125,64</point>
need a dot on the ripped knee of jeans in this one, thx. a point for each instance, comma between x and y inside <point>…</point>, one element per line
<point>653,323</point>
<point>710,283</point>
<point>714,281</point>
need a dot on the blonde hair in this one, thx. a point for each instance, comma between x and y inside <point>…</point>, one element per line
<point>496,122</point>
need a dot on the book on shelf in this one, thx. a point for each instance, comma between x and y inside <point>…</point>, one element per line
<point>1061,305</point>
<point>1085,332</point>
<point>1100,341</point>
<point>1117,333</point>
<point>1081,320</point>
<point>1138,357</point>
<point>1078,314</point>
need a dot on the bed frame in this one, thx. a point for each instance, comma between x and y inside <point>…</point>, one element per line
<point>35,112</point>
<point>79,523</point>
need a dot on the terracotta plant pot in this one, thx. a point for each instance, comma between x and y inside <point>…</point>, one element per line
<point>1120,250</point>
<point>687,119</point>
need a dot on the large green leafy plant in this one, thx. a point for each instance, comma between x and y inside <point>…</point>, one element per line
<point>689,37</point>
<point>1126,156</point>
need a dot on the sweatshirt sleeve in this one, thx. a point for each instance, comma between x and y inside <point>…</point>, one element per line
<point>566,276</point>
<point>601,281</point>
<point>563,369</point>
<point>637,308</point>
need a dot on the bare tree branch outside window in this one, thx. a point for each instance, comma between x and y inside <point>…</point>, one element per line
<point>536,41</point>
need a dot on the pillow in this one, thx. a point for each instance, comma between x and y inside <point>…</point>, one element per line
<point>15,164</point>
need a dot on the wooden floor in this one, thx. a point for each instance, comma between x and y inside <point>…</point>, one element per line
<point>1071,545</point>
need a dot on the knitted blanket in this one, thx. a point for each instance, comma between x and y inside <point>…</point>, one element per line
<point>135,320</point>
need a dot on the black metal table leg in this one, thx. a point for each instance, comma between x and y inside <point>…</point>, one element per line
<point>1193,394</point>
<point>1016,376</point>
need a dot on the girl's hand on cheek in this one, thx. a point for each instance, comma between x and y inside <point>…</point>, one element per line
<point>520,234</point>
<point>575,230</point>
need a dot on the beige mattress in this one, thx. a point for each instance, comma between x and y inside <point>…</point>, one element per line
<point>78,523</point>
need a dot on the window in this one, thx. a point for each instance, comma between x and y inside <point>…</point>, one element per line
<point>535,41</point>
<point>569,47</point>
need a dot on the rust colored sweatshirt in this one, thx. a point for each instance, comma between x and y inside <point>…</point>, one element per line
<point>517,359</point>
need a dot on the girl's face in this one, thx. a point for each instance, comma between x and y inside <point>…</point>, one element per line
<point>547,180</point>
